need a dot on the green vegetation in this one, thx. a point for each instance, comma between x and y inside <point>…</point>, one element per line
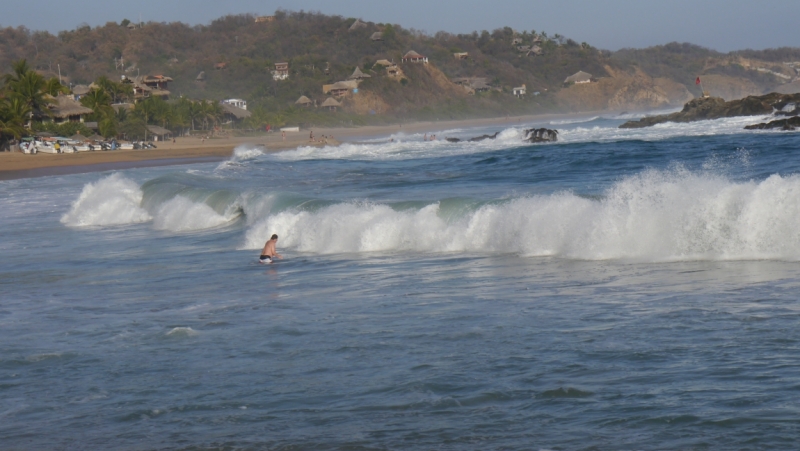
<point>320,49</point>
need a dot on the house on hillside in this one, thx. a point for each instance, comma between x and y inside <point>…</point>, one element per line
<point>356,25</point>
<point>281,71</point>
<point>340,88</point>
<point>519,91</point>
<point>146,86</point>
<point>220,66</point>
<point>523,48</point>
<point>578,78</point>
<point>461,55</point>
<point>238,103</point>
<point>516,41</point>
<point>534,50</point>
<point>391,68</point>
<point>358,75</point>
<point>66,109</point>
<point>233,115</point>
<point>304,101</point>
<point>377,36</point>
<point>201,76</point>
<point>414,57</point>
<point>265,19</point>
<point>472,84</point>
<point>331,104</point>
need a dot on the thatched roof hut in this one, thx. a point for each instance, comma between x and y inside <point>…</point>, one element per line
<point>201,76</point>
<point>356,25</point>
<point>65,107</point>
<point>235,113</point>
<point>331,104</point>
<point>579,77</point>
<point>78,137</point>
<point>80,90</point>
<point>377,36</point>
<point>158,133</point>
<point>414,57</point>
<point>358,75</point>
<point>304,101</point>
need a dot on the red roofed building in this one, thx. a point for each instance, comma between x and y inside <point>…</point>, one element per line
<point>414,57</point>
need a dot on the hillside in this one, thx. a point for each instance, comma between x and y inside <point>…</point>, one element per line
<point>323,49</point>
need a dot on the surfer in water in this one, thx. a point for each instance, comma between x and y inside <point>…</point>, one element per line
<point>269,252</point>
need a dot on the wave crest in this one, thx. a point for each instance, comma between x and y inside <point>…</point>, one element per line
<point>113,200</point>
<point>655,216</point>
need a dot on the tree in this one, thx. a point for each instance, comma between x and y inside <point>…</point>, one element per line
<point>54,87</point>
<point>13,114</point>
<point>99,101</point>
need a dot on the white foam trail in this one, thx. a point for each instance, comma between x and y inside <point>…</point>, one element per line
<point>182,332</point>
<point>654,216</point>
<point>574,121</point>
<point>113,200</point>
<point>181,214</point>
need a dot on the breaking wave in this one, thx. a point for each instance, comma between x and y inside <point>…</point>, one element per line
<point>655,216</point>
<point>113,200</point>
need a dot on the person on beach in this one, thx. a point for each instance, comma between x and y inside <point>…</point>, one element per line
<point>269,252</point>
<point>283,135</point>
<point>425,138</point>
<point>311,136</point>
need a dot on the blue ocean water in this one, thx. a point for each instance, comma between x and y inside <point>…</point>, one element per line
<point>621,289</point>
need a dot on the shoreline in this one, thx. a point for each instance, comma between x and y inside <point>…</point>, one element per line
<point>189,150</point>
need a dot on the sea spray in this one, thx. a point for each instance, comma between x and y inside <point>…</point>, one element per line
<point>113,200</point>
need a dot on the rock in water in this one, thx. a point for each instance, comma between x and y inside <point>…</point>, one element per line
<point>482,137</point>
<point>540,135</point>
<point>783,124</point>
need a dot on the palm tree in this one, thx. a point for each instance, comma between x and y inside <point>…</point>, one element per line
<point>13,114</point>
<point>99,101</point>
<point>29,87</point>
<point>54,87</point>
<point>19,68</point>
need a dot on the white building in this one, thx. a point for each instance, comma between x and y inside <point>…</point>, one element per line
<point>238,103</point>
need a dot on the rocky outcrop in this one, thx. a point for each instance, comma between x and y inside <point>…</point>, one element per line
<point>540,135</point>
<point>705,108</point>
<point>784,124</point>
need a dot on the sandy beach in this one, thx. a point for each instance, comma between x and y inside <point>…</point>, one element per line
<point>187,150</point>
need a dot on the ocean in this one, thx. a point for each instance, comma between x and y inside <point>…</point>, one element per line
<point>619,289</point>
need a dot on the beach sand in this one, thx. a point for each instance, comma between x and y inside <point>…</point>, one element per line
<point>187,150</point>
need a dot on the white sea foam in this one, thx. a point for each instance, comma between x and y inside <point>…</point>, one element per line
<point>570,131</point>
<point>181,214</point>
<point>182,332</point>
<point>113,200</point>
<point>241,153</point>
<point>574,120</point>
<point>654,216</point>
<point>726,126</point>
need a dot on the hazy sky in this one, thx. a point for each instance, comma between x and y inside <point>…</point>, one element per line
<point>722,25</point>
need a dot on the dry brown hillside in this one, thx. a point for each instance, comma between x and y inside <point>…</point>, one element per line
<point>623,90</point>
